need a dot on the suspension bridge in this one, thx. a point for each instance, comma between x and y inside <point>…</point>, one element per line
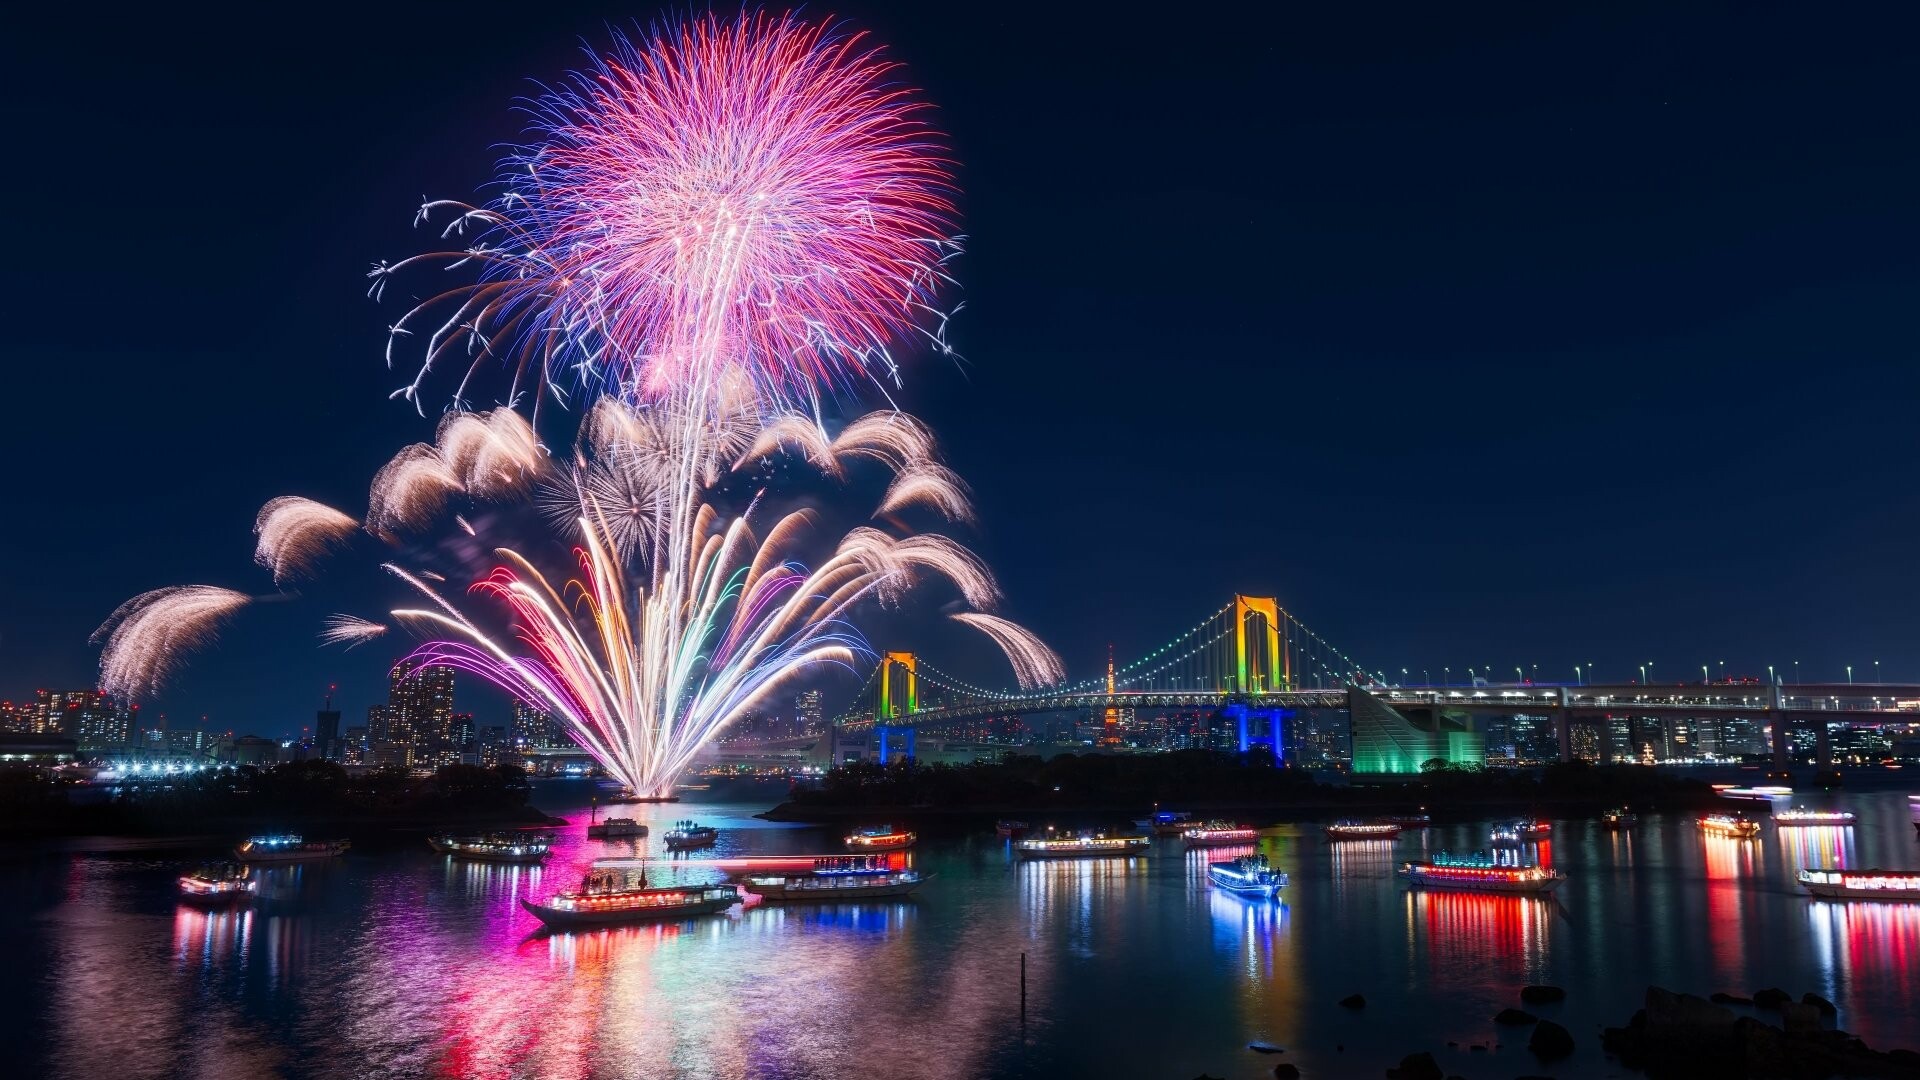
<point>1256,668</point>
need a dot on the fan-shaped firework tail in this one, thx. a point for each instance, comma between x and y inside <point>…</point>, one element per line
<point>683,615</point>
<point>751,195</point>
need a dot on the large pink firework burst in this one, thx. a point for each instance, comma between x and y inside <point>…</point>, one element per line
<point>754,193</point>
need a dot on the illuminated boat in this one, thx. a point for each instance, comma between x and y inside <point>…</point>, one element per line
<point>628,796</point>
<point>607,897</point>
<point>838,877</point>
<point>1835,884</point>
<point>494,848</point>
<point>1619,818</point>
<point>1510,833</point>
<point>1478,873</point>
<point>1052,846</point>
<point>1166,822</point>
<point>217,883</point>
<point>880,838</point>
<point>1362,830</point>
<point>288,848</point>
<point>1738,826</point>
<point>1009,828</point>
<point>1248,875</point>
<point>1218,834</point>
<point>616,828</point>
<point>1800,816</point>
<point>685,836</point>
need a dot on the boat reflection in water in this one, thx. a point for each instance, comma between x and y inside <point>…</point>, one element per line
<point>1871,951</point>
<point>1462,928</point>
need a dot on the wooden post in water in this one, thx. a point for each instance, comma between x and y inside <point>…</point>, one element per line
<point>1023,988</point>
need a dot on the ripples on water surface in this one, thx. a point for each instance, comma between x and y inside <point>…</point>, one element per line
<point>410,964</point>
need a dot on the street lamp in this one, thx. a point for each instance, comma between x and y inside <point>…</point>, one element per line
<point>1703,674</point>
<point>1849,674</point>
<point>1876,671</point>
<point>1403,676</point>
<point>1446,675</point>
<point>1518,675</point>
<point>1771,681</point>
<point>1643,674</point>
<point>1577,677</point>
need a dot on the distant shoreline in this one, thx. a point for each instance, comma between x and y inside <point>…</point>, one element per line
<point>1443,810</point>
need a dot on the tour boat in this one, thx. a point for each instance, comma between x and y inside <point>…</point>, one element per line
<point>493,848</point>
<point>1054,846</point>
<point>1480,874</point>
<point>217,883</point>
<point>1738,826</point>
<point>838,877</point>
<point>1248,875</point>
<point>609,896</point>
<point>627,797</point>
<point>1510,833</point>
<point>685,836</point>
<point>288,849</point>
<point>1166,822</point>
<point>1362,830</point>
<point>1801,816</point>
<point>616,828</point>
<point>1836,884</point>
<point>1009,828</point>
<point>1619,818</point>
<point>1218,834</point>
<point>879,838</point>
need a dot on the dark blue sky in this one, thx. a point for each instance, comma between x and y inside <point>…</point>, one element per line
<point>1492,337</point>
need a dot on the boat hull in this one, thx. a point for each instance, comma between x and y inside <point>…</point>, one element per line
<point>1266,890</point>
<point>1844,892</point>
<point>262,855</point>
<point>596,832</point>
<point>1336,833</point>
<point>1221,841</point>
<point>1536,887</point>
<point>216,899</point>
<point>782,894</point>
<point>561,919</point>
<point>1139,848</point>
<point>692,845</point>
<point>489,856</point>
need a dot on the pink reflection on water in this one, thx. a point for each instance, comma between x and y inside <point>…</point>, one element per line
<point>1816,845</point>
<point>1730,867</point>
<point>1464,930</point>
<point>1872,951</point>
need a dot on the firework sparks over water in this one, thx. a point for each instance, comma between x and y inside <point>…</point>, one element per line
<point>713,227</point>
<point>751,194</point>
<point>150,636</point>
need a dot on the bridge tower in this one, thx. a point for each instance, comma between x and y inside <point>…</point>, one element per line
<point>1275,672</point>
<point>896,706</point>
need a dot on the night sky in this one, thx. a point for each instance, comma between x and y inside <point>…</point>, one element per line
<point>1532,339</point>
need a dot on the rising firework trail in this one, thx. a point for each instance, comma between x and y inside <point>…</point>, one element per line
<point>751,194</point>
<point>663,639</point>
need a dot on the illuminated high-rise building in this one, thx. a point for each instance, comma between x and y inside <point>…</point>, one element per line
<point>809,710</point>
<point>418,718</point>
